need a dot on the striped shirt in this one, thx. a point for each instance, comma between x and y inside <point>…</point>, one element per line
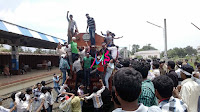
<point>91,23</point>
<point>147,96</point>
<point>96,97</point>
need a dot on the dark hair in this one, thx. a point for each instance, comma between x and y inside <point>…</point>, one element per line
<point>186,59</point>
<point>127,82</point>
<point>114,97</point>
<point>164,85</point>
<point>74,92</point>
<point>22,97</point>
<point>188,69</point>
<point>142,67</point>
<point>76,58</point>
<point>95,89</point>
<point>126,63</point>
<point>171,64</point>
<point>43,83</point>
<point>198,65</point>
<point>13,96</point>
<point>87,14</point>
<point>28,90</point>
<point>148,60</point>
<point>156,64</point>
<point>38,84</point>
<point>44,89</point>
<point>161,62</point>
<point>195,63</point>
<point>180,63</point>
<point>70,15</point>
<point>49,89</point>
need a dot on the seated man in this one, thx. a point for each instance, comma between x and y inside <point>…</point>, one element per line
<point>164,88</point>
<point>127,83</point>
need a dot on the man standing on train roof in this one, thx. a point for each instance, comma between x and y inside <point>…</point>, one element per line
<point>92,28</point>
<point>71,26</point>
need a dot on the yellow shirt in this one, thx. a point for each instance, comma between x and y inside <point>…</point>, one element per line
<point>76,105</point>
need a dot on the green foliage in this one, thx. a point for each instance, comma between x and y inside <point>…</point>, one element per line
<point>136,48</point>
<point>147,47</point>
<point>28,50</point>
<point>181,52</point>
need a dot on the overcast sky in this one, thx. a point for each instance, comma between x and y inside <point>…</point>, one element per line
<point>123,17</point>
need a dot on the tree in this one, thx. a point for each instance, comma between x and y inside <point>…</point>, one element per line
<point>135,48</point>
<point>190,50</point>
<point>176,52</point>
<point>38,51</point>
<point>20,49</point>
<point>28,50</point>
<point>1,46</point>
<point>147,47</point>
<point>50,51</point>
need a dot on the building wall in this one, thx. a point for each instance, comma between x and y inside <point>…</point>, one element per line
<point>31,60</point>
<point>148,54</point>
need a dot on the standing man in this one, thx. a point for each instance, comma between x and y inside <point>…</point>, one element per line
<point>172,74</point>
<point>92,28</point>
<point>71,26</point>
<point>74,49</point>
<point>64,66</point>
<point>87,61</point>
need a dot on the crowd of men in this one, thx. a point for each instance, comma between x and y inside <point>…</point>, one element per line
<point>137,85</point>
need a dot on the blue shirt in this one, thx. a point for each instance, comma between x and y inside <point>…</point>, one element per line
<point>54,81</point>
<point>11,106</point>
<point>63,64</point>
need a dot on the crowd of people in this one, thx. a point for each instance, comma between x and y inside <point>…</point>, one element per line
<point>137,85</point>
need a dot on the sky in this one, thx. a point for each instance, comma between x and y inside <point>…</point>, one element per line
<point>125,18</point>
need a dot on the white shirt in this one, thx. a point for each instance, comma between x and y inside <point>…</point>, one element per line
<point>80,91</point>
<point>71,25</point>
<point>64,50</point>
<point>49,98</point>
<point>28,97</point>
<point>77,66</point>
<point>44,97</point>
<point>68,50</point>
<point>2,109</point>
<point>141,108</point>
<point>21,105</point>
<point>62,89</point>
<point>82,54</point>
<point>190,94</point>
<point>96,97</point>
<point>156,72</point>
<point>49,63</point>
<point>113,51</point>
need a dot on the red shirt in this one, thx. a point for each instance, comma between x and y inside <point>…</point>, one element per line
<point>100,67</point>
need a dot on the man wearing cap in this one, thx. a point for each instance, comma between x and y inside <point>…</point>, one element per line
<point>71,26</point>
<point>65,104</point>
<point>92,28</point>
<point>189,89</point>
<point>74,48</point>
